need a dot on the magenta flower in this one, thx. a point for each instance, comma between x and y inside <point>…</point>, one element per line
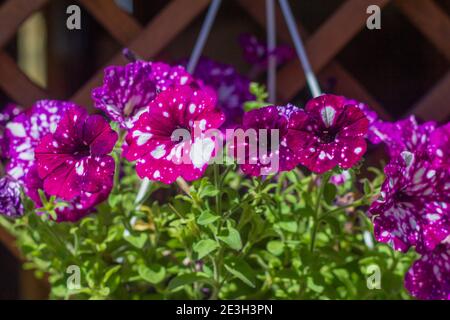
<point>127,91</point>
<point>439,146</point>
<point>231,87</point>
<point>372,117</point>
<point>403,135</point>
<point>74,159</point>
<point>255,51</point>
<point>25,131</point>
<point>328,133</point>
<point>429,276</point>
<point>7,114</point>
<point>414,206</point>
<point>10,202</point>
<point>76,208</point>
<point>262,155</point>
<point>340,178</point>
<point>163,155</point>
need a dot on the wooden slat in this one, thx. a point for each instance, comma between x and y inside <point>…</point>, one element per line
<point>154,37</point>
<point>429,19</point>
<point>326,43</point>
<point>16,84</point>
<point>13,13</point>
<point>435,104</point>
<point>123,27</point>
<point>347,85</point>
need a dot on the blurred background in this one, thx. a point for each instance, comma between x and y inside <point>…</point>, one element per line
<point>401,69</point>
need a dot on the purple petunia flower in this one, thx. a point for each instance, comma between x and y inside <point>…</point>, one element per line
<point>255,51</point>
<point>414,206</point>
<point>328,133</point>
<point>154,142</point>
<point>76,208</point>
<point>429,276</point>
<point>403,135</point>
<point>372,117</point>
<point>233,89</point>
<point>10,111</point>
<point>127,90</point>
<point>10,202</point>
<point>74,159</point>
<point>340,178</point>
<point>262,155</point>
<point>439,146</point>
<point>26,130</point>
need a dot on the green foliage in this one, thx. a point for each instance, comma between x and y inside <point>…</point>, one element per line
<point>261,95</point>
<point>231,238</point>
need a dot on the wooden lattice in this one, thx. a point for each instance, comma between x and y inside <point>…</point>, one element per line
<point>322,46</point>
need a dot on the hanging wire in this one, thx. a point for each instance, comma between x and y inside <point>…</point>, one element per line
<point>203,36</point>
<point>311,79</point>
<point>271,43</point>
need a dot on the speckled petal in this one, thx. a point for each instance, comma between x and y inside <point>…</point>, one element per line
<point>74,158</point>
<point>429,276</point>
<point>412,209</point>
<point>127,90</point>
<point>169,140</point>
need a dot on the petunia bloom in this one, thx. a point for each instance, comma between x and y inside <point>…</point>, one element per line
<point>255,51</point>
<point>374,122</point>
<point>403,135</point>
<point>414,206</point>
<point>74,159</point>
<point>263,155</point>
<point>10,202</point>
<point>161,152</point>
<point>232,88</point>
<point>439,146</point>
<point>9,112</point>
<point>76,208</point>
<point>328,133</point>
<point>429,276</point>
<point>25,131</point>
<point>127,90</point>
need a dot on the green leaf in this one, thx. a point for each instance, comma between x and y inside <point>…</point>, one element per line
<point>110,273</point>
<point>329,192</point>
<point>205,247</point>
<point>241,270</point>
<point>206,218</point>
<point>334,223</point>
<point>290,226</point>
<point>42,197</point>
<point>367,187</point>
<point>153,274</point>
<point>314,287</point>
<point>137,241</point>
<point>233,239</point>
<point>186,279</point>
<point>275,247</point>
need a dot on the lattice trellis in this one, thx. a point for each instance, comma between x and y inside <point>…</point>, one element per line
<point>322,47</point>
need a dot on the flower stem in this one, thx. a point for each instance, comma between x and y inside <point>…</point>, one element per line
<point>217,259</point>
<point>317,210</point>
<point>217,183</point>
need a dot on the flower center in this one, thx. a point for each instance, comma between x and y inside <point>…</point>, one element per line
<point>327,136</point>
<point>82,151</point>
<point>402,196</point>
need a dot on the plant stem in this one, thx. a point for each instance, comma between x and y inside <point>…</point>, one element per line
<point>218,187</point>
<point>315,227</point>
<point>217,260</point>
